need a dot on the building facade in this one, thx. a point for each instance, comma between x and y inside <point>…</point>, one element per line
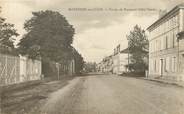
<point>120,60</point>
<point>106,65</point>
<point>166,51</point>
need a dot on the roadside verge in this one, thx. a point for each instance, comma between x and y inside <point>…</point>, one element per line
<point>26,98</point>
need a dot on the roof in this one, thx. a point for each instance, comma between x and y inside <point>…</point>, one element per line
<point>176,8</point>
<point>124,51</point>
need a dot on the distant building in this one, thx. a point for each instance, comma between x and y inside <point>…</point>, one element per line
<point>120,60</point>
<point>100,67</point>
<point>166,51</point>
<point>106,65</point>
<point>115,63</point>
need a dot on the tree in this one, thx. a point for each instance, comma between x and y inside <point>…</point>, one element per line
<point>49,35</point>
<point>79,61</point>
<point>7,34</point>
<point>138,49</point>
<point>90,67</point>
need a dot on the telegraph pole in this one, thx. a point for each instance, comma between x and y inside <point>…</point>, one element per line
<point>0,99</point>
<point>128,56</point>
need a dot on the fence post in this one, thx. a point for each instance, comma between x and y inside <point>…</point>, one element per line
<point>57,65</point>
<point>146,73</point>
<point>0,100</point>
<point>6,69</point>
<point>58,72</point>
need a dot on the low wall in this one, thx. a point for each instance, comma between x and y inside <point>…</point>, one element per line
<point>16,69</point>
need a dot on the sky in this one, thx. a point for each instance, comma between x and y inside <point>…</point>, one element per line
<point>100,27</point>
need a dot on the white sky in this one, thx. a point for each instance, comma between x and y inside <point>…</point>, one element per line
<point>97,32</point>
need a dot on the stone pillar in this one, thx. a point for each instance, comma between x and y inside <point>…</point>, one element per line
<point>181,20</point>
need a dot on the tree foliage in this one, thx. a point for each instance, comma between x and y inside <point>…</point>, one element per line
<point>48,35</point>
<point>138,49</point>
<point>79,61</point>
<point>7,34</point>
<point>90,67</point>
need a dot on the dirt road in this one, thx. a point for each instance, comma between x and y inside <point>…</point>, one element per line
<point>108,94</point>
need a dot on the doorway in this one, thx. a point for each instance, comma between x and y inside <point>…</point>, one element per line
<point>161,67</point>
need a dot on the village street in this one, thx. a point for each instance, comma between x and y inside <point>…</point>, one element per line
<point>110,94</point>
<point>91,57</point>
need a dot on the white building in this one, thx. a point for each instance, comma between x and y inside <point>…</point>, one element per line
<point>106,65</point>
<point>166,53</point>
<point>120,60</point>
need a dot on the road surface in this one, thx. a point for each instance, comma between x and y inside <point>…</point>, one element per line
<point>110,94</point>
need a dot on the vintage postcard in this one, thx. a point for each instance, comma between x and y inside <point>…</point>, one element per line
<point>91,57</point>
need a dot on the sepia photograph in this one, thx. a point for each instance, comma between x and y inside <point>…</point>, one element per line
<point>91,57</point>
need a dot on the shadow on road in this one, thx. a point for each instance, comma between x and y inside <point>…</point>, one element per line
<point>92,74</point>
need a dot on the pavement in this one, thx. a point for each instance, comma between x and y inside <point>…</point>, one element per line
<point>109,94</point>
<point>166,81</point>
